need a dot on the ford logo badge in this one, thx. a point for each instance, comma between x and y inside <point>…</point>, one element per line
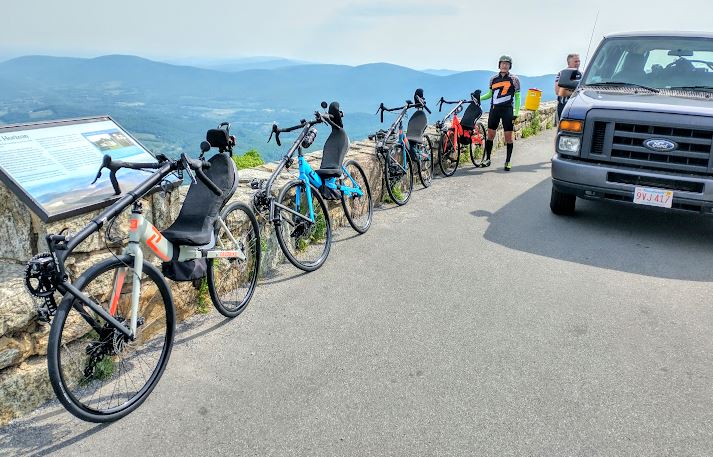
<point>660,145</point>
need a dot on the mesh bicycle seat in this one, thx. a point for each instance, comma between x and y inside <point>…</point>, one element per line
<point>335,148</point>
<point>471,115</point>
<point>194,224</point>
<point>416,127</point>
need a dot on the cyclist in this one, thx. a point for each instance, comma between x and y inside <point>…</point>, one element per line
<point>504,92</point>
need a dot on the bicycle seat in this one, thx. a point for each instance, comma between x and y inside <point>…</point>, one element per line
<point>194,224</point>
<point>416,127</point>
<point>471,115</point>
<point>335,148</point>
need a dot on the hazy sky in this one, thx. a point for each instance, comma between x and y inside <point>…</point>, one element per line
<point>454,34</point>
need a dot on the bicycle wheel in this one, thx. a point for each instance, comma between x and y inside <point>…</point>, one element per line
<point>232,281</point>
<point>358,209</point>
<point>305,244</point>
<point>98,374</point>
<point>449,153</point>
<point>425,162</point>
<point>398,171</point>
<point>478,148</point>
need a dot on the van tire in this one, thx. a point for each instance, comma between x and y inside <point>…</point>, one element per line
<point>562,204</point>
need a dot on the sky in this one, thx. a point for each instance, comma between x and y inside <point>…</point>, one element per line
<point>436,34</point>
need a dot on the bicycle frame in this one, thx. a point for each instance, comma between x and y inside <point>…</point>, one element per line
<point>456,126</point>
<point>400,139</point>
<point>455,122</point>
<point>308,176</point>
<point>144,233</point>
<point>141,232</point>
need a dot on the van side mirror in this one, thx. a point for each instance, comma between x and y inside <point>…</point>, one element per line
<point>569,79</point>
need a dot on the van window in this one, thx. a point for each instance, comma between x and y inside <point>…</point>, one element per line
<point>660,62</point>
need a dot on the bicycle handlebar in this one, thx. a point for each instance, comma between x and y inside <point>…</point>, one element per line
<point>198,166</point>
<point>383,108</point>
<point>475,98</point>
<point>409,104</point>
<point>318,119</point>
<point>115,165</point>
<point>184,163</point>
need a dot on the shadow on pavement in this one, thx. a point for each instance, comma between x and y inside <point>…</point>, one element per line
<point>37,437</point>
<point>470,170</point>
<point>606,235</point>
<point>54,428</point>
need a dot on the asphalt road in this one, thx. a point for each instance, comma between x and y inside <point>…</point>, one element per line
<point>470,322</point>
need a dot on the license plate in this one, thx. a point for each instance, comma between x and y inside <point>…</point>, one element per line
<point>653,197</point>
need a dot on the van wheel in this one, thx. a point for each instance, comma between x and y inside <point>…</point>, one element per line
<point>561,203</point>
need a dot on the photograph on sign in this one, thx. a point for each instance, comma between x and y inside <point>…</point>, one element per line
<point>54,164</point>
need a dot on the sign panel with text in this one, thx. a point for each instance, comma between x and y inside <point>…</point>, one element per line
<point>50,165</point>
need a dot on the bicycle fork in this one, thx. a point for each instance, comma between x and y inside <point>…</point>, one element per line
<point>140,230</point>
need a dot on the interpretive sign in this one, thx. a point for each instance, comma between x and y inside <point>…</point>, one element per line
<point>50,166</point>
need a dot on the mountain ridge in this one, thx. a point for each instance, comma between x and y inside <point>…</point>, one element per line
<point>172,105</point>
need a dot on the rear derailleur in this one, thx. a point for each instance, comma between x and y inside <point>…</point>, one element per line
<point>261,201</point>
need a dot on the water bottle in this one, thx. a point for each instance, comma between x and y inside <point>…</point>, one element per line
<point>309,138</point>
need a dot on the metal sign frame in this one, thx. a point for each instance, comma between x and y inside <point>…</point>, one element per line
<point>26,198</point>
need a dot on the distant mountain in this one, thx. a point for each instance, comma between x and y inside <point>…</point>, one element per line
<point>241,64</point>
<point>441,72</point>
<point>169,107</point>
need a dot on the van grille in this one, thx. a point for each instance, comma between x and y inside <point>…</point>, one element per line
<point>692,154</point>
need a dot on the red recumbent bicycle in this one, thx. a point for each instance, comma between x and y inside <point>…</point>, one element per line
<point>464,132</point>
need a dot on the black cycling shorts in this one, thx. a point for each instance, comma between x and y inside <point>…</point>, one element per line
<point>504,114</point>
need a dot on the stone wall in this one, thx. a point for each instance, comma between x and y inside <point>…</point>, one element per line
<point>24,383</point>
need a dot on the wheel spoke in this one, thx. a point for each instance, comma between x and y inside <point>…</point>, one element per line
<point>232,281</point>
<point>103,374</point>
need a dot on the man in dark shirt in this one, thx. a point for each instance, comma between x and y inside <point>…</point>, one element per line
<point>563,94</point>
<point>504,92</point>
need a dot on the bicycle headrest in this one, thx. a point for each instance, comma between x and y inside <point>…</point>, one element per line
<point>418,98</point>
<point>336,114</point>
<point>218,138</point>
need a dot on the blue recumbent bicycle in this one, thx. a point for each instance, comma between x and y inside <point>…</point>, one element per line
<point>299,213</point>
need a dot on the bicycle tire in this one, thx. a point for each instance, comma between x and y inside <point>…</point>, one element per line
<point>349,211</point>
<point>88,373</point>
<point>243,227</point>
<point>304,234</point>
<point>448,148</point>
<point>395,172</point>
<point>425,167</point>
<point>481,148</point>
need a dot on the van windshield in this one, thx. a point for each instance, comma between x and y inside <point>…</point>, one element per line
<point>655,62</point>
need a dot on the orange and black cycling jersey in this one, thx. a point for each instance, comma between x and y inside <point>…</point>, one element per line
<point>504,90</point>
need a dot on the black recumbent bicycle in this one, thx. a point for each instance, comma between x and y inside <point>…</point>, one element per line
<point>401,150</point>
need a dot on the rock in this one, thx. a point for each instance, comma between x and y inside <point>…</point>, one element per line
<point>165,208</point>
<point>8,356</point>
<point>23,388</point>
<point>15,227</point>
<point>17,309</point>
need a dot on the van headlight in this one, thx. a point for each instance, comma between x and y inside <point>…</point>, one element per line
<point>569,144</point>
